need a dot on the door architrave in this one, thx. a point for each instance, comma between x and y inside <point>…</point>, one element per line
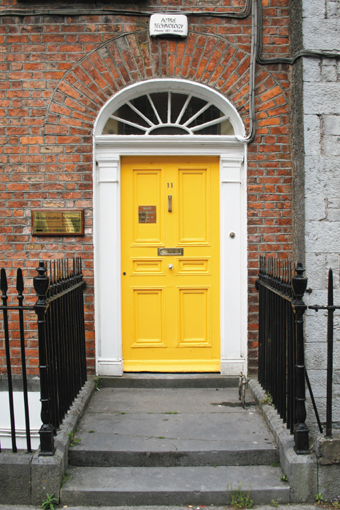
<point>108,151</point>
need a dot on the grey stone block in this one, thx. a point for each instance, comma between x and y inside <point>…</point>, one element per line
<point>321,100</point>
<point>329,72</point>
<point>333,203</point>
<point>316,355</point>
<point>331,145</point>
<point>329,177</point>
<point>328,450</point>
<point>311,421</point>
<point>335,410</point>
<point>312,134</point>
<point>332,262</point>
<point>318,382</point>
<point>329,481</point>
<point>322,237</point>
<point>46,476</point>
<point>332,8</point>
<point>15,478</point>
<point>321,34</point>
<point>311,70</point>
<point>328,62</point>
<point>331,125</point>
<point>313,9</point>
<point>314,179</point>
<point>333,215</point>
<point>315,271</point>
<point>315,208</point>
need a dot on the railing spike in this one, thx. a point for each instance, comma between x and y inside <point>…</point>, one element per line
<point>20,281</point>
<point>4,286</point>
<point>284,271</point>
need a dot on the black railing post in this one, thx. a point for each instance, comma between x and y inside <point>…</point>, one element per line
<point>330,325</point>
<point>4,298</point>
<point>20,289</point>
<point>41,284</point>
<point>299,283</point>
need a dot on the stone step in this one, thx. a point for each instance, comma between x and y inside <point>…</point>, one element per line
<point>122,458</point>
<point>167,427</point>
<point>136,486</point>
<point>146,380</point>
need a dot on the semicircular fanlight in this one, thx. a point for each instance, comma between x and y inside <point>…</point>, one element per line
<point>168,113</point>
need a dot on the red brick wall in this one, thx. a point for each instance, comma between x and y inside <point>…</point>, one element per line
<point>56,72</point>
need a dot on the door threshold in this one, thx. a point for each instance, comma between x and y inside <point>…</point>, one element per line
<point>169,380</point>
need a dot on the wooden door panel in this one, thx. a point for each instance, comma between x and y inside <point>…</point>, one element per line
<point>194,317</point>
<point>193,213</point>
<point>147,200</point>
<point>148,333</point>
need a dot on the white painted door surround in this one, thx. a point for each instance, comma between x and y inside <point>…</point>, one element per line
<point>108,149</point>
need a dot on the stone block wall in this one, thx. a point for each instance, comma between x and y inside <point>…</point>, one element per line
<point>321,107</point>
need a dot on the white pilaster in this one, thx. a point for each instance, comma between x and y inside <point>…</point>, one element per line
<point>233,266</point>
<point>108,300</point>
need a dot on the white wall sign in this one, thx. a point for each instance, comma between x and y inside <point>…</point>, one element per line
<point>169,24</point>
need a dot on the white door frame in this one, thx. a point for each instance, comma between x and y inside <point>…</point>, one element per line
<point>108,151</point>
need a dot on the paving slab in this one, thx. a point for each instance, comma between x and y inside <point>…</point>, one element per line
<point>150,427</point>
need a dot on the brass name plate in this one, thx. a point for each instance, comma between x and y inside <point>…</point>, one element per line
<point>147,214</point>
<point>170,251</point>
<point>50,222</point>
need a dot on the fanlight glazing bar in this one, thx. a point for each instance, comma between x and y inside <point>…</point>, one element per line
<point>183,109</point>
<point>154,128</point>
<point>197,114</point>
<point>142,128</point>
<point>140,113</point>
<point>210,123</point>
<point>154,109</point>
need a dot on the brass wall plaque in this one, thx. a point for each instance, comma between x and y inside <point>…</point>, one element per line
<point>147,214</point>
<point>167,252</point>
<point>50,222</point>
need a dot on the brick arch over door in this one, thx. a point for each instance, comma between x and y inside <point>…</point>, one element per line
<point>127,59</point>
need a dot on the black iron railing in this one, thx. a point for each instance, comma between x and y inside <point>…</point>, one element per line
<point>281,343</point>
<point>20,309</point>
<point>61,341</point>
<point>330,334</point>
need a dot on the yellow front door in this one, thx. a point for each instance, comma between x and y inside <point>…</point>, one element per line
<point>170,264</point>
